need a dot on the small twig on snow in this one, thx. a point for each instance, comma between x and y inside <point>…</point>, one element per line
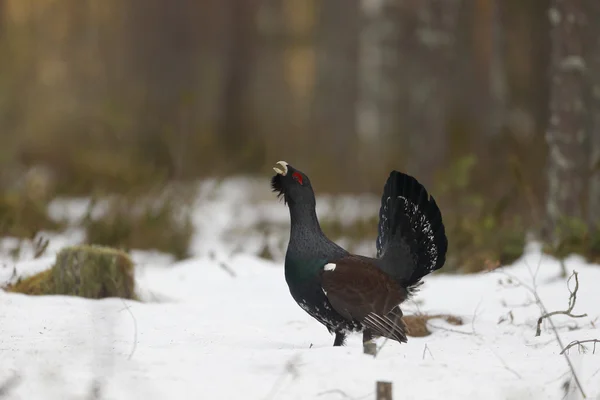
<point>568,311</point>
<point>475,315</point>
<point>452,330</point>
<point>509,369</point>
<point>226,268</point>
<point>338,391</point>
<point>580,343</point>
<point>135,330</point>
<point>426,349</point>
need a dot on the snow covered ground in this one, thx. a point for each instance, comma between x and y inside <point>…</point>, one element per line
<point>225,327</point>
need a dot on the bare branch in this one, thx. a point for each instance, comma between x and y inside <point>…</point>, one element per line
<point>540,303</point>
<point>568,311</point>
<point>580,343</point>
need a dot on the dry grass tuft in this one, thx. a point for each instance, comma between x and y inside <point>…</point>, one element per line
<point>416,324</point>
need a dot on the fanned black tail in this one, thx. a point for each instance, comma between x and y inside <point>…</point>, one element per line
<point>412,240</point>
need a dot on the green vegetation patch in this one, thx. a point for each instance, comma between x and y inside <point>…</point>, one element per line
<point>574,236</point>
<point>22,216</point>
<point>482,232</point>
<point>147,223</point>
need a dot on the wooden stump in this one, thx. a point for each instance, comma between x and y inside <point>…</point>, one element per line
<point>383,390</point>
<point>93,272</point>
<point>370,348</point>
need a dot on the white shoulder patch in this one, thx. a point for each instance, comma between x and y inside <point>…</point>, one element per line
<point>329,267</point>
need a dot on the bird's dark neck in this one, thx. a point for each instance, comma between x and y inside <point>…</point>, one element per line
<point>304,221</point>
<point>306,236</point>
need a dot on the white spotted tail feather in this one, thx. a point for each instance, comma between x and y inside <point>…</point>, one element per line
<point>411,240</point>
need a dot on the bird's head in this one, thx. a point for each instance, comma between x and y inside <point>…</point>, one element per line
<point>292,184</point>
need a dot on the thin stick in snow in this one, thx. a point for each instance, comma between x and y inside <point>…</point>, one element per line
<point>337,391</point>
<point>509,369</point>
<point>580,343</point>
<point>568,311</point>
<point>135,330</point>
<point>540,303</point>
<point>426,349</point>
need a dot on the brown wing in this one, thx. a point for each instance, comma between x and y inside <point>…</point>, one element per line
<point>360,291</point>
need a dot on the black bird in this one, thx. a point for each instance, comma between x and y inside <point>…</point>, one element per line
<point>347,292</point>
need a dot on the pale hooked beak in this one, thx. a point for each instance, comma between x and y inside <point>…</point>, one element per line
<point>281,167</point>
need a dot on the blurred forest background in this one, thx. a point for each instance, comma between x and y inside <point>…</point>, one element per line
<point>493,104</point>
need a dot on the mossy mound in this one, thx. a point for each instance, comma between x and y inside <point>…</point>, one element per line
<point>38,284</point>
<point>416,325</point>
<point>92,272</point>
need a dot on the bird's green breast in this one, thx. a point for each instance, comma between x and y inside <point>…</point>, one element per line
<point>299,270</point>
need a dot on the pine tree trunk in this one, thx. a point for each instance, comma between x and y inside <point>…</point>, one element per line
<point>379,107</point>
<point>408,67</point>
<point>593,61</point>
<point>434,79</point>
<point>336,84</point>
<point>567,132</point>
<point>237,66</point>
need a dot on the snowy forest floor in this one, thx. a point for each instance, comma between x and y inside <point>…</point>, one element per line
<point>222,325</point>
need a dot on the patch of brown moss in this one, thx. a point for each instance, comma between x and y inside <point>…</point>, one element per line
<point>416,324</point>
<point>38,284</point>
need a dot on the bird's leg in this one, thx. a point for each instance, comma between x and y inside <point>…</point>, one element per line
<point>369,345</point>
<point>340,338</point>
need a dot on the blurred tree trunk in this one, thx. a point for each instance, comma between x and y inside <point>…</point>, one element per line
<point>335,96</point>
<point>490,92</point>
<point>567,131</point>
<point>436,79</point>
<point>2,7</point>
<point>238,64</point>
<point>379,110</point>
<point>593,62</point>
<point>408,73</point>
<point>273,104</point>
<point>526,28</point>
<point>163,51</point>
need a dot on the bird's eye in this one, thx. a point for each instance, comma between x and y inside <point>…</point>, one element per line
<point>297,177</point>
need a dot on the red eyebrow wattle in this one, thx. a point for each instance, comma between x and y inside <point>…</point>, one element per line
<point>297,177</point>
